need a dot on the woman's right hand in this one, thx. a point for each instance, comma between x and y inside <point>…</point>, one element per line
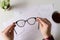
<point>45,26</point>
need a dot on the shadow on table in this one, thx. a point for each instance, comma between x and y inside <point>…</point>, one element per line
<point>19,5</point>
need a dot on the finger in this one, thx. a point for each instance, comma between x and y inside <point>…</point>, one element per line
<point>41,26</point>
<point>41,20</point>
<point>10,27</point>
<point>47,21</point>
<point>12,32</point>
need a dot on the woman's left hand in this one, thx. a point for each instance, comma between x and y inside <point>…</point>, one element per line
<point>8,33</point>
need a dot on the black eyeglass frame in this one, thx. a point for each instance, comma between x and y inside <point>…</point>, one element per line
<point>26,21</point>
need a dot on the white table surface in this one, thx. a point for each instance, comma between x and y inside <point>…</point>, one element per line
<point>24,11</point>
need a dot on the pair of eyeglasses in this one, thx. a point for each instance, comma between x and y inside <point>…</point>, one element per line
<point>22,22</point>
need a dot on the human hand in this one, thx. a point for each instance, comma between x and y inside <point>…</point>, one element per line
<point>8,33</point>
<point>45,26</point>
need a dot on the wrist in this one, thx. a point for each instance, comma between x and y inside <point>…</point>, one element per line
<point>49,38</point>
<point>46,36</point>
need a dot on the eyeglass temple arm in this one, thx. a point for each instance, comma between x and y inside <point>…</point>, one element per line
<point>38,24</point>
<point>14,29</point>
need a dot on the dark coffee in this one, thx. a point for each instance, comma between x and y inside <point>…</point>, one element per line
<point>56,16</point>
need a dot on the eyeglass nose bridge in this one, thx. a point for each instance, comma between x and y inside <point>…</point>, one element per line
<point>26,21</point>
